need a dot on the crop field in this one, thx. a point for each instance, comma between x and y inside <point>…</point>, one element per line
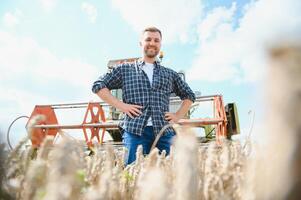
<point>66,171</point>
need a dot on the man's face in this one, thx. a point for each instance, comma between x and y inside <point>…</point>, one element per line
<point>151,44</point>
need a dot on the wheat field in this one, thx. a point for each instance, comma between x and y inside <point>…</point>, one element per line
<point>65,171</point>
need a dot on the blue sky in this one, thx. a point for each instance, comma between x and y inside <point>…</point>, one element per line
<point>52,50</point>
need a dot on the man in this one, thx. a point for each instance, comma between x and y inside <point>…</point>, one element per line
<point>146,88</point>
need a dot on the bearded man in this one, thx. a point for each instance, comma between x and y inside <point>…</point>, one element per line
<point>146,88</point>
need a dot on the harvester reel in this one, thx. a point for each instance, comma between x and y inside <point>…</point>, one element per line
<point>38,134</point>
<point>94,114</point>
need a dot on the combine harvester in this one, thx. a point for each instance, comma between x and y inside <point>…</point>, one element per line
<point>96,122</point>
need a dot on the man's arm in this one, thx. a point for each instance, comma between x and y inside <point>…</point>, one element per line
<point>182,90</point>
<point>113,80</point>
<point>175,117</point>
<point>129,109</point>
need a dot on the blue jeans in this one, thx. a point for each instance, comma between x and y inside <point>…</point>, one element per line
<point>132,141</point>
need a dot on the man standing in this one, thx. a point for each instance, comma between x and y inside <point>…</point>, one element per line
<point>146,87</point>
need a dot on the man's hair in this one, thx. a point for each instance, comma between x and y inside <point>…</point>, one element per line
<point>152,29</point>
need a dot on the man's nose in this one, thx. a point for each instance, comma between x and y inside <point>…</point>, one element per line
<point>152,42</point>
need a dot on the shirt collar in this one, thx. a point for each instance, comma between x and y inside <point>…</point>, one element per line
<point>141,62</point>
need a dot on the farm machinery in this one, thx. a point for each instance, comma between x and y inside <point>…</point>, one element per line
<point>100,118</point>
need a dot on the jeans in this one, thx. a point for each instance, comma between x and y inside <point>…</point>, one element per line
<point>132,141</point>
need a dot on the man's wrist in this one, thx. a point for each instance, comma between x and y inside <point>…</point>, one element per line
<point>119,105</point>
<point>179,115</point>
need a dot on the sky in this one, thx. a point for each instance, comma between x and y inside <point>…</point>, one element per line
<point>51,51</point>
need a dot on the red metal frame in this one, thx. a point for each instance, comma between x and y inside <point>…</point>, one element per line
<point>38,135</point>
<point>220,113</point>
<point>219,120</point>
<point>49,125</point>
<point>97,117</point>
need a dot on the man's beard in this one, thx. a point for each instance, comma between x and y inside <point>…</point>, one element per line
<point>151,53</point>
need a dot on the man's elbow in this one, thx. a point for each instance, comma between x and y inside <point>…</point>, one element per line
<point>103,91</point>
<point>97,86</point>
<point>190,98</point>
<point>188,101</point>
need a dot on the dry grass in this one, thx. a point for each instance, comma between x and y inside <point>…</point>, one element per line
<point>64,171</point>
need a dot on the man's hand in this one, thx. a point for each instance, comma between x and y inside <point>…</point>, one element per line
<point>175,117</point>
<point>131,110</point>
<point>172,117</point>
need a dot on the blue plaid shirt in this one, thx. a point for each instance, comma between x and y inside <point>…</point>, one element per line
<point>136,89</point>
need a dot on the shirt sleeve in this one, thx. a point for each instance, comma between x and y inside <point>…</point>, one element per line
<point>181,88</point>
<point>111,80</point>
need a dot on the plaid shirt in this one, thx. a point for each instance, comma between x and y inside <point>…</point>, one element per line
<point>136,89</point>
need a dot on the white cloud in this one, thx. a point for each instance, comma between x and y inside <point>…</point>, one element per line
<point>230,52</point>
<point>10,19</point>
<point>19,102</point>
<point>48,5</point>
<point>90,10</point>
<point>176,18</point>
<point>21,56</point>
<point>218,17</point>
<point>31,74</point>
<point>215,32</point>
